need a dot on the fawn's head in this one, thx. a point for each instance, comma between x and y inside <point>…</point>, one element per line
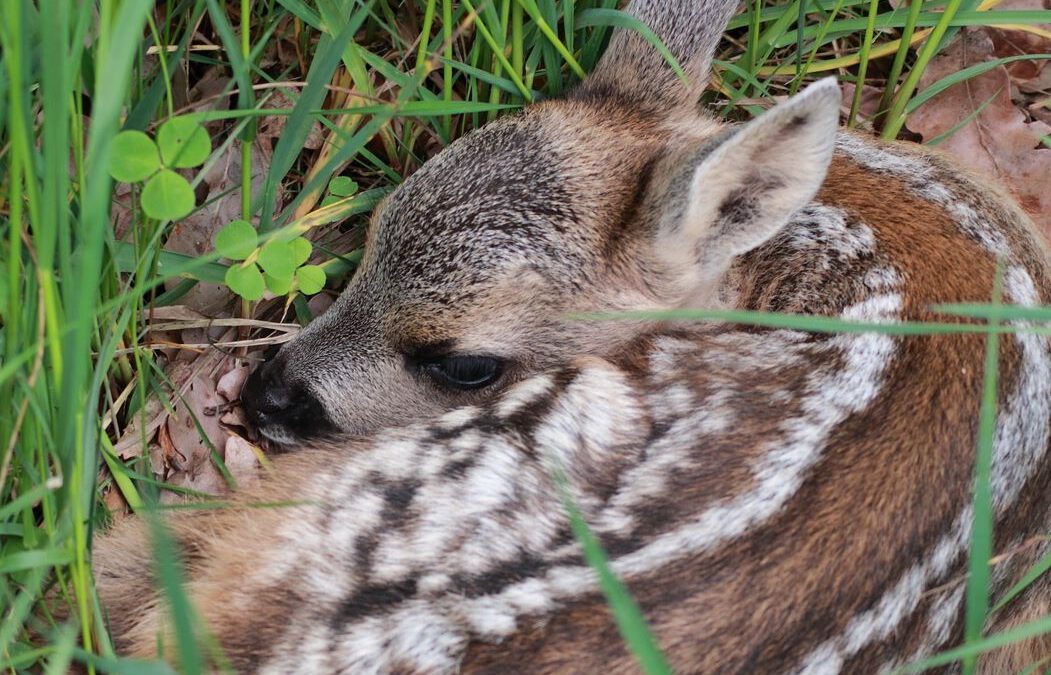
<point>620,197</point>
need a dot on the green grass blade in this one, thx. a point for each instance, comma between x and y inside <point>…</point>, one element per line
<point>620,19</point>
<point>806,322</point>
<point>328,56</point>
<point>896,115</point>
<point>1039,569</point>
<point>974,649</point>
<point>630,621</point>
<point>170,577</point>
<point>991,311</point>
<point>977,598</point>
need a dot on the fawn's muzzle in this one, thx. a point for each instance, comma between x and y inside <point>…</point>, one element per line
<point>281,411</point>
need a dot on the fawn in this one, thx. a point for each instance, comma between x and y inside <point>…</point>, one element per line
<point>775,501</point>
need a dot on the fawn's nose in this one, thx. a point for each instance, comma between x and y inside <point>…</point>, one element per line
<point>279,410</point>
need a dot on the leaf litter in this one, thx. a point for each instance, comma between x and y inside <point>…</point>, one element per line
<point>1004,140</point>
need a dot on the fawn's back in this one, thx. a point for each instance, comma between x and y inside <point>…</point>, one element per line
<point>774,500</point>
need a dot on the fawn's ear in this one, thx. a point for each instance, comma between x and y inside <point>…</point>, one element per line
<point>633,72</point>
<point>733,197</point>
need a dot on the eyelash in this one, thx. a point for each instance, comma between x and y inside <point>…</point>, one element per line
<point>463,372</point>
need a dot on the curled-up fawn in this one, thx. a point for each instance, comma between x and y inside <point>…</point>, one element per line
<point>774,500</point>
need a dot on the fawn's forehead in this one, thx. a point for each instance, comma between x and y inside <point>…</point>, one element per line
<point>538,191</point>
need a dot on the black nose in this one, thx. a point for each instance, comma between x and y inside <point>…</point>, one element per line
<point>279,409</point>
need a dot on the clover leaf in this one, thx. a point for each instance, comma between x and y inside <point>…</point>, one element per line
<point>133,157</point>
<point>183,143</point>
<point>276,259</point>
<point>246,280</point>
<point>341,186</point>
<point>237,240</point>
<point>167,196</point>
<point>311,279</point>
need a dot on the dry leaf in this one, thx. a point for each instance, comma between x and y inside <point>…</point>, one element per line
<point>1015,42</point>
<point>1000,142</point>
<point>150,417</point>
<point>242,460</point>
<point>870,99</point>
<point>199,400</point>
<point>230,384</point>
<point>272,126</point>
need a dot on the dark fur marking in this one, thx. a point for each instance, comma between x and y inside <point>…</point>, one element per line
<point>459,468</point>
<point>399,495</point>
<point>368,599</point>
<point>796,122</point>
<point>496,580</point>
<point>397,498</point>
<point>739,207</point>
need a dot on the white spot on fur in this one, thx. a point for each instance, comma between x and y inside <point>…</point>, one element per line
<point>491,618</point>
<point>600,401</point>
<point>882,279</point>
<point>879,622</point>
<point>941,617</point>
<point>1023,430</point>
<point>417,637</point>
<point>432,583</point>
<point>522,395</point>
<point>455,419</point>
<point>822,230</point>
<point>825,660</point>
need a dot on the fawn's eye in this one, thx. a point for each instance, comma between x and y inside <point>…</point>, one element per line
<point>463,372</point>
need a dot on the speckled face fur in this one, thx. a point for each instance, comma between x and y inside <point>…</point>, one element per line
<point>481,252</point>
<point>493,245</point>
<point>485,251</point>
<point>487,248</point>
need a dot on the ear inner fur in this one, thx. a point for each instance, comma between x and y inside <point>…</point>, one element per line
<point>744,190</point>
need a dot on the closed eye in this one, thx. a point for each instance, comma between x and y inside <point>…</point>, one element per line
<point>463,372</point>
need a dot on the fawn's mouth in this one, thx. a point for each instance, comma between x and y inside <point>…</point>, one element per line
<point>285,414</point>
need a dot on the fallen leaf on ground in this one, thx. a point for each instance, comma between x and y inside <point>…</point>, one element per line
<point>1016,42</point>
<point>230,384</point>
<point>1000,142</point>
<point>141,429</point>
<point>869,105</point>
<point>242,460</point>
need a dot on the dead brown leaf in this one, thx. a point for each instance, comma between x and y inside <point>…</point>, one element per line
<point>869,105</point>
<point>242,460</point>
<point>272,126</point>
<point>1001,142</point>
<point>1015,42</point>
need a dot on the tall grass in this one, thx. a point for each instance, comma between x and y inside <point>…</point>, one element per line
<point>390,83</point>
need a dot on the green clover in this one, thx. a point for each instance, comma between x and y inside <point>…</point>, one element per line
<point>181,143</point>
<point>277,265</point>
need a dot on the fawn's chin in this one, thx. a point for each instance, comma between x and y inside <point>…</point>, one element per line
<point>278,438</point>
